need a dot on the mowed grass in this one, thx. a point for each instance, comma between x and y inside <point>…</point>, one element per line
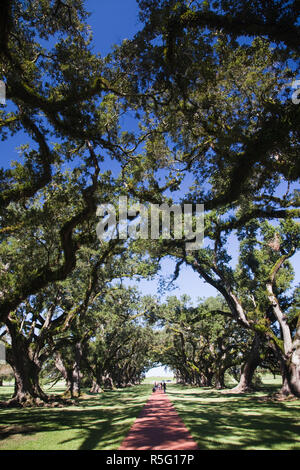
<point>98,422</point>
<point>217,420</point>
<point>227,421</point>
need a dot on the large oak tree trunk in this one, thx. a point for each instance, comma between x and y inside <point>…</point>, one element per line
<point>294,378</point>
<point>249,367</point>
<point>290,373</point>
<point>27,387</point>
<point>26,371</point>
<point>206,379</point>
<point>285,387</point>
<point>76,373</point>
<point>294,364</point>
<point>71,375</point>
<point>290,356</point>
<point>95,388</point>
<point>220,379</point>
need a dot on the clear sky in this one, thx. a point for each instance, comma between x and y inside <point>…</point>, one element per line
<point>111,22</point>
<point>160,371</point>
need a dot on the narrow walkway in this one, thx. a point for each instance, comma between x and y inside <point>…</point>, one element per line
<point>158,427</point>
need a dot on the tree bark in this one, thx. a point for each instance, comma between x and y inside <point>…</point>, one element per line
<point>248,368</point>
<point>285,387</point>
<point>96,388</point>
<point>290,355</point>
<point>294,364</point>
<point>206,378</point>
<point>108,382</point>
<point>26,371</point>
<point>290,373</point>
<point>71,375</point>
<point>220,379</point>
<point>77,375</point>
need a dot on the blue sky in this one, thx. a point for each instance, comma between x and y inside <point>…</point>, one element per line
<point>160,371</point>
<point>111,22</point>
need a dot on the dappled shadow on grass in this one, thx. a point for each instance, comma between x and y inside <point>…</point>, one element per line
<point>6,392</point>
<point>237,421</point>
<point>99,421</point>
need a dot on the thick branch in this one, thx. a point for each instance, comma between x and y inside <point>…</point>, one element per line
<point>39,179</point>
<point>70,247</point>
<point>282,31</point>
<point>282,319</point>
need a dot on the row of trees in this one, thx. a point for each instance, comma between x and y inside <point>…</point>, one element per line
<point>64,102</point>
<point>217,77</point>
<point>120,336</point>
<point>96,341</point>
<point>202,347</point>
<point>209,86</point>
<point>257,312</point>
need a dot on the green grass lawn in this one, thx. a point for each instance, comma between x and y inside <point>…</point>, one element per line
<point>216,420</point>
<point>99,422</point>
<point>228,421</point>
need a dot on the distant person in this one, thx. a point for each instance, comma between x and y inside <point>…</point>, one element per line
<point>164,387</point>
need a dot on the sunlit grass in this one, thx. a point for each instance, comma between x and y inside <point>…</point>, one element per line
<point>238,422</point>
<point>216,420</point>
<point>98,422</point>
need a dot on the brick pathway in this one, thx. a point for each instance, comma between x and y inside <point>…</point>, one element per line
<point>158,427</point>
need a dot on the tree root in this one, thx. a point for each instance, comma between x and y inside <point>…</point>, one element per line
<point>280,396</point>
<point>28,401</point>
<point>238,389</point>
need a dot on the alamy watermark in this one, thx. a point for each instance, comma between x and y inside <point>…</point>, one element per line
<point>295,95</point>
<point>2,92</point>
<point>2,353</point>
<point>295,85</point>
<point>153,221</point>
